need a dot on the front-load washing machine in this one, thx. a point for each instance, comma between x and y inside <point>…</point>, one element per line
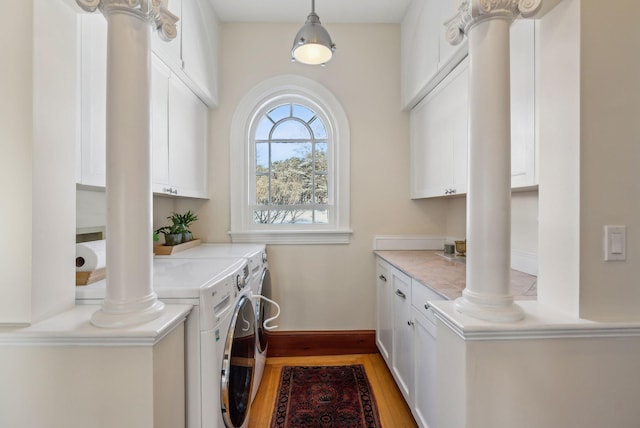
<point>218,290</point>
<point>259,283</point>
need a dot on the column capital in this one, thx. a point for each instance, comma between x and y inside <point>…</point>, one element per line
<point>472,12</point>
<point>154,11</point>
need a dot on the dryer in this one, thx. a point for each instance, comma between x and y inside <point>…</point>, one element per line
<point>218,290</point>
<point>259,283</point>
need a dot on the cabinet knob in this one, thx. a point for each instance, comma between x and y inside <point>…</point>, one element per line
<point>426,306</point>
<point>410,323</point>
<point>400,294</point>
<point>383,278</point>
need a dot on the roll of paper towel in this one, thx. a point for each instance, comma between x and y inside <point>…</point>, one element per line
<point>91,256</point>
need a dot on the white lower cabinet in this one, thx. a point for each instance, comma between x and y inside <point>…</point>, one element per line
<point>406,338</point>
<point>384,311</point>
<point>423,404</point>
<point>402,357</point>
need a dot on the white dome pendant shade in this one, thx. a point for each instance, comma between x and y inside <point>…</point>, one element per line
<point>312,44</point>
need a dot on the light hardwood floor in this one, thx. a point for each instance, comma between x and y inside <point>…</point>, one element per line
<point>391,406</point>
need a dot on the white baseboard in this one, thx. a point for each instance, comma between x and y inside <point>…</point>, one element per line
<point>401,242</point>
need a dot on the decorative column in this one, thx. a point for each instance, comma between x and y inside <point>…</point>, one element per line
<point>129,298</point>
<point>486,23</point>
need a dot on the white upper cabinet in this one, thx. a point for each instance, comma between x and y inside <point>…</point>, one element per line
<point>426,55</point>
<point>93,100</point>
<point>439,138</point>
<point>193,54</point>
<point>187,141</point>
<point>178,121</point>
<point>523,123</point>
<point>419,47</point>
<point>439,125</point>
<point>200,49</point>
<point>178,135</point>
<point>160,75</point>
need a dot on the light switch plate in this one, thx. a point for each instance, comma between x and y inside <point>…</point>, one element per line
<point>615,243</point>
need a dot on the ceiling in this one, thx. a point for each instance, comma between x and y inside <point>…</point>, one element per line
<point>338,11</point>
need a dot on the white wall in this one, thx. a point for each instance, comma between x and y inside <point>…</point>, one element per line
<point>16,149</point>
<point>589,154</point>
<point>609,155</point>
<point>533,383</point>
<point>559,166</point>
<point>327,286</point>
<point>55,92</point>
<point>75,386</point>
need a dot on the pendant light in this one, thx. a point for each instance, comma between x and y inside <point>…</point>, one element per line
<point>312,44</point>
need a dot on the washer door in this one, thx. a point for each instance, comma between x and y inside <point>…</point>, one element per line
<point>238,365</point>
<point>264,290</point>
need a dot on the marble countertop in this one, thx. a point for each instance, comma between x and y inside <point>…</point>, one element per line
<point>447,276</point>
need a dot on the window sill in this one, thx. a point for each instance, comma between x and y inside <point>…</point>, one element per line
<point>293,237</point>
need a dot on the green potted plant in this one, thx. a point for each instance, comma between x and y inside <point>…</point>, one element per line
<point>187,219</point>
<point>181,223</point>
<point>172,234</point>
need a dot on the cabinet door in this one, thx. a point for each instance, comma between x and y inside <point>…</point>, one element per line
<point>439,138</point>
<point>200,48</point>
<point>402,354</point>
<point>93,110</point>
<point>160,126</point>
<point>384,311</point>
<point>419,48</point>
<point>523,133</point>
<point>187,141</point>
<point>425,370</point>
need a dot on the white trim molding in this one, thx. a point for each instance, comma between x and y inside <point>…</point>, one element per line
<point>539,322</point>
<point>243,229</point>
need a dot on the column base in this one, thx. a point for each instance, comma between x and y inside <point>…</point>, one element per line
<point>120,316</point>
<point>503,311</point>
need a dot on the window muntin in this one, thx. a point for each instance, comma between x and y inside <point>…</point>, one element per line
<point>291,147</point>
<point>249,122</point>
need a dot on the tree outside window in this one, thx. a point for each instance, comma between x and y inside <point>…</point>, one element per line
<point>291,162</point>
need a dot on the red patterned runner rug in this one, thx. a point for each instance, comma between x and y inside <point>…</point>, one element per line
<point>325,397</point>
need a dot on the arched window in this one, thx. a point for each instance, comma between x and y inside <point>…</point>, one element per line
<point>292,136</point>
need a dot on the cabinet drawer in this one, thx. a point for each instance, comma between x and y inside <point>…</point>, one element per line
<point>420,295</point>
